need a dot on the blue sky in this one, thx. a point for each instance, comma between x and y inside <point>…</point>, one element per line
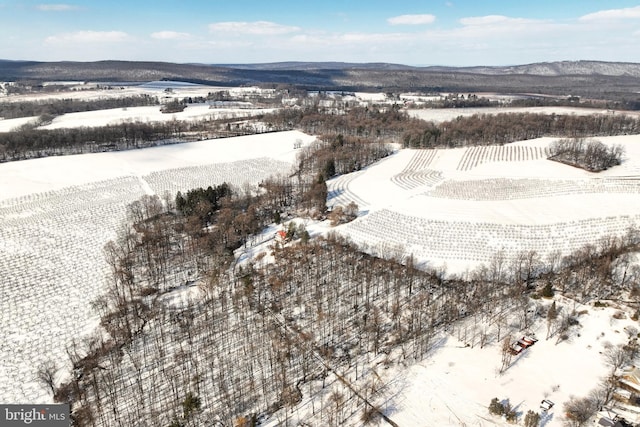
<point>428,32</point>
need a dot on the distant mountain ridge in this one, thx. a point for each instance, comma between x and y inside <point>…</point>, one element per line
<point>537,69</point>
<point>562,68</point>
<point>576,77</point>
<point>331,65</point>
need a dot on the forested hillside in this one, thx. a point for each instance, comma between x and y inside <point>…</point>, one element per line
<point>226,345</point>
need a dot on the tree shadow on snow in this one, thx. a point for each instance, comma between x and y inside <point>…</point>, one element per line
<point>545,418</point>
<point>334,193</point>
<point>522,356</point>
<point>437,344</point>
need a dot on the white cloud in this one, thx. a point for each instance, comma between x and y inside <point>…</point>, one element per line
<point>498,30</point>
<point>368,38</point>
<point>612,14</point>
<point>88,37</point>
<point>56,7</point>
<point>252,28</point>
<point>412,19</point>
<point>493,20</point>
<point>170,35</point>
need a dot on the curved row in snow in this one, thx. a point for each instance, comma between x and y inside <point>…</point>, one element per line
<point>461,206</point>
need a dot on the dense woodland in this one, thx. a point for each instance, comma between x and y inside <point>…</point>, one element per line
<point>338,154</point>
<point>504,128</point>
<point>394,125</point>
<point>386,124</point>
<point>591,155</point>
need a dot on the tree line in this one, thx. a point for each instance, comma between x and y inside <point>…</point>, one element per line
<point>334,155</point>
<point>574,101</point>
<point>393,125</point>
<point>33,143</point>
<point>485,129</point>
<point>30,143</point>
<point>373,123</point>
<point>56,107</point>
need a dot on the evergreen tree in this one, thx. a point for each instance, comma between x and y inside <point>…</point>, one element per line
<point>180,202</point>
<point>329,168</point>
<point>552,315</point>
<point>547,291</point>
<point>190,405</point>
<point>532,419</point>
<point>495,407</point>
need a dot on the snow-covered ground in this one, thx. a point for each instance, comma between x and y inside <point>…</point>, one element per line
<point>149,114</point>
<point>21,179</point>
<point>460,207</point>
<point>7,125</point>
<point>57,213</point>
<point>134,114</point>
<point>456,383</point>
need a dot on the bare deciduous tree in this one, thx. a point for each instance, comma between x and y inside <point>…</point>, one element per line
<point>46,375</point>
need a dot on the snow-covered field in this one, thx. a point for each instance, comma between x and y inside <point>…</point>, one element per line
<point>149,114</point>
<point>57,213</point>
<point>135,114</point>
<point>460,207</point>
<point>7,125</point>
